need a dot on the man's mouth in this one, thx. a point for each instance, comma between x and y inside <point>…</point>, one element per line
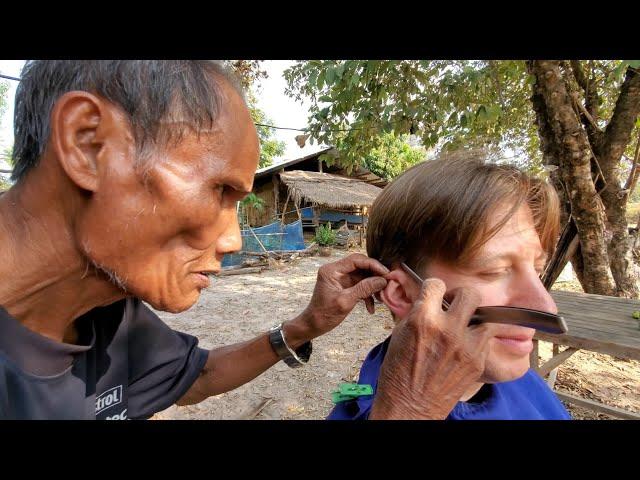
<point>518,341</point>
<point>203,277</point>
<point>208,273</point>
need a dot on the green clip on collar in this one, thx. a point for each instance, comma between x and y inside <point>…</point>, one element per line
<point>350,391</point>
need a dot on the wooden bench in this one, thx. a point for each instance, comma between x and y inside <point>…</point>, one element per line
<point>597,323</point>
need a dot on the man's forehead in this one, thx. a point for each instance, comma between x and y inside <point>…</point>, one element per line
<point>517,236</point>
<point>511,244</point>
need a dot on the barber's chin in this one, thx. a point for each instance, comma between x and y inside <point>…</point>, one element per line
<point>176,305</point>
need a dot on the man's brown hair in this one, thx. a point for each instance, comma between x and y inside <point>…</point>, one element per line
<point>440,209</point>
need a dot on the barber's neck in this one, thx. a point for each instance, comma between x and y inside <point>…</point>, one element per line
<point>46,281</point>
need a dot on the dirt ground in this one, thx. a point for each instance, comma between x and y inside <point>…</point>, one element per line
<point>236,308</point>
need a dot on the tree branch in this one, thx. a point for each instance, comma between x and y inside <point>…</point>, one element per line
<point>630,184</point>
<point>585,112</point>
<point>588,85</point>
<point>579,74</point>
<point>618,132</point>
<point>589,113</point>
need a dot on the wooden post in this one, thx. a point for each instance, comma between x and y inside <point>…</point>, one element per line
<point>298,210</point>
<point>256,237</point>
<point>598,407</point>
<point>551,381</point>
<point>533,358</point>
<point>284,210</point>
<point>276,194</point>
<point>557,359</point>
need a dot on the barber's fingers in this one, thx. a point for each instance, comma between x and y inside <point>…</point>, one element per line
<point>365,288</point>
<point>358,261</point>
<point>429,300</point>
<point>478,336</point>
<point>464,304</point>
<point>370,304</point>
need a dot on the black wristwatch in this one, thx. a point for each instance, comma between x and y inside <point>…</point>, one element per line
<point>292,358</point>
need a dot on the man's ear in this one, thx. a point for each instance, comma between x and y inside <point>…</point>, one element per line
<point>400,293</point>
<point>80,125</point>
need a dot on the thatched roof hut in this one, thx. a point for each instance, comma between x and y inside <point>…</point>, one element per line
<point>325,189</point>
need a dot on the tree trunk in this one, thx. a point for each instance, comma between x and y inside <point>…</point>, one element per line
<point>566,143</point>
<point>616,138</point>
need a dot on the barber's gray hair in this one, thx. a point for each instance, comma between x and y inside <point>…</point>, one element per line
<point>149,92</point>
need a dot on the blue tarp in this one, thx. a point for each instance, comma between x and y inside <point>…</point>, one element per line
<point>274,236</point>
<point>331,216</point>
<point>335,217</point>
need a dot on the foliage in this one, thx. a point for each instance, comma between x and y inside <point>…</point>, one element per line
<point>325,236</point>
<point>393,156</point>
<point>253,201</point>
<point>447,103</point>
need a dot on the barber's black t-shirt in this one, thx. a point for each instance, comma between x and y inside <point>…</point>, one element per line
<point>127,363</point>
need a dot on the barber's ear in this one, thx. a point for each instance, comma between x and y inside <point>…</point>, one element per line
<point>400,293</point>
<point>80,125</point>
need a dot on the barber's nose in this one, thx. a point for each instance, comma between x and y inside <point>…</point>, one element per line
<point>533,295</point>
<point>230,241</point>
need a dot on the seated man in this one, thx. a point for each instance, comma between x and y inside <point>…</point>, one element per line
<point>480,234</point>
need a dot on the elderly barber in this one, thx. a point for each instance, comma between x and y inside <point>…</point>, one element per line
<point>127,176</point>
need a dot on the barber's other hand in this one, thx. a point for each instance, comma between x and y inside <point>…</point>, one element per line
<point>433,357</point>
<point>339,287</point>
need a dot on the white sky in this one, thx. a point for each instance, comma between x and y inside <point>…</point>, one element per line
<point>281,109</point>
<point>11,68</point>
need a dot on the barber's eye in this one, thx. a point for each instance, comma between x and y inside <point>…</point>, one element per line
<point>218,190</point>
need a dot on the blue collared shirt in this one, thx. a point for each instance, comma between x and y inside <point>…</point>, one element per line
<point>526,398</point>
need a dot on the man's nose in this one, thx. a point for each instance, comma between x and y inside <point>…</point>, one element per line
<point>532,294</point>
<point>230,241</point>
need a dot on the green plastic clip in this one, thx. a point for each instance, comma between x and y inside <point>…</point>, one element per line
<point>350,391</point>
<point>355,389</point>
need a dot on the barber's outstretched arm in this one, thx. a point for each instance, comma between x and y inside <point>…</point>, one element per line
<point>340,286</point>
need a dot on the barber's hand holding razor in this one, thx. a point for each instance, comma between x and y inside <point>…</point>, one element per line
<point>433,357</point>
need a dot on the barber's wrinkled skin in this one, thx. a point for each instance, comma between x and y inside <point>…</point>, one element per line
<point>435,359</point>
<point>93,223</point>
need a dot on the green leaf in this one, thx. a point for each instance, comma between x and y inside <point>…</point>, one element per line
<point>634,63</point>
<point>481,113</point>
<point>449,82</point>
<point>330,76</point>
<point>320,82</point>
<point>494,112</point>
<point>325,98</point>
<point>620,69</point>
